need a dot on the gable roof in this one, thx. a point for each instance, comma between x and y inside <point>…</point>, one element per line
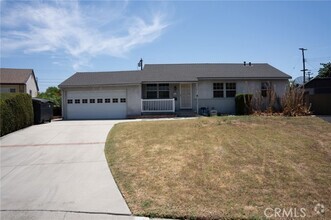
<point>16,76</point>
<point>176,73</point>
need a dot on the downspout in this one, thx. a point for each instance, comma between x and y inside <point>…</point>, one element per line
<point>197,96</point>
<point>63,94</point>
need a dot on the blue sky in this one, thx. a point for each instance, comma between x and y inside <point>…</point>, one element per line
<point>58,38</point>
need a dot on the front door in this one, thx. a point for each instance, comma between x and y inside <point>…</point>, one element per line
<point>186,96</point>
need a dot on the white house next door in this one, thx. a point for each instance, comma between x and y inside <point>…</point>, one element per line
<point>186,96</point>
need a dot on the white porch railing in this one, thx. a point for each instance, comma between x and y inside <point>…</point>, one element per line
<point>158,105</point>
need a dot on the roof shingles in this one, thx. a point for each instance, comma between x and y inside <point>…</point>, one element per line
<point>14,76</point>
<point>176,73</point>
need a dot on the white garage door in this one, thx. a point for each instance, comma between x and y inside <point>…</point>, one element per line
<point>96,104</point>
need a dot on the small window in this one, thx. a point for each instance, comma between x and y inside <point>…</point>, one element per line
<point>115,100</point>
<point>265,88</point>
<point>230,89</point>
<point>99,100</point>
<point>12,90</point>
<point>151,91</point>
<point>107,100</point>
<point>92,100</point>
<point>151,87</point>
<point>164,87</point>
<point>123,100</point>
<point>69,101</point>
<point>164,91</point>
<point>84,101</point>
<point>77,101</point>
<point>218,90</point>
<point>163,94</point>
<point>30,92</point>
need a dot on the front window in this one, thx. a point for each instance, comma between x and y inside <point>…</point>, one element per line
<point>12,90</point>
<point>157,91</point>
<point>218,90</point>
<point>151,91</point>
<point>163,91</point>
<point>230,89</point>
<point>84,101</point>
<point>99,100</point>
<point>221,90</point>
<point>77,101</point>
<point>265,88</point>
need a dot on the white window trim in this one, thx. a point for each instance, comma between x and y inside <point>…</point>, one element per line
<point>224,90</point>
<point>157,90</point>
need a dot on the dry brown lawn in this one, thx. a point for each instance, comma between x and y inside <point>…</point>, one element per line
<point>223,167</point>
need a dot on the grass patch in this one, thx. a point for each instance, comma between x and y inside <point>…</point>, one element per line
<point>222,167</point>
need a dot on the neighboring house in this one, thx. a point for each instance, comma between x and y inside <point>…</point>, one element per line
<point>162,88</point>
<point>318,95</point>
<point>18,81</point>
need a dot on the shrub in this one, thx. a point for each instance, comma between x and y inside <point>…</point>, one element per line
<point>269,103</point>
<point>16,112</point>
<point>293,102</point>
<point>243,104</point>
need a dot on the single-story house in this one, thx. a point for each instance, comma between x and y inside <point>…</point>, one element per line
<point>318,95</point>
<point>18,81</point>
<point>162,88</point>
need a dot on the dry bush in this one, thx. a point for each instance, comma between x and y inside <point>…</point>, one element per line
<point>293,102</point>
<point>269,104</point>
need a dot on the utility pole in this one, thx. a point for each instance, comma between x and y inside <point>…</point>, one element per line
<point>303,64</point>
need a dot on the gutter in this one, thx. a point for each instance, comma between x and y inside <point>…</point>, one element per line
<point>246,78</point>
<point>93,86</point>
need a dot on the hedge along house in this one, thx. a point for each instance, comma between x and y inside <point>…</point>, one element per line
<point>166,88</point>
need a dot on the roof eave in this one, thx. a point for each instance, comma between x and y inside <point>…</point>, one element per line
<point>243,78</point>
<point>12,83</point>
<point>97,85</point>
<point>169,81</point>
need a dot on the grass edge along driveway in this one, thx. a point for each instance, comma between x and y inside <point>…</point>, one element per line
<point>222,167</point>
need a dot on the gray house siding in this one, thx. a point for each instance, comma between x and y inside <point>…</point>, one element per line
<point>227,105</point>
<point>134,100</point>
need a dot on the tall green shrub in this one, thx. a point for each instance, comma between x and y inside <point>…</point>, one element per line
<point>16,112</point>
<point>243,104</point>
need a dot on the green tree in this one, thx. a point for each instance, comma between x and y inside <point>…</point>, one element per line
<point>325,71</point>
<point>53,94</point>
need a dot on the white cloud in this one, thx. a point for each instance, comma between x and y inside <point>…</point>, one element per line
<point>80,30</point>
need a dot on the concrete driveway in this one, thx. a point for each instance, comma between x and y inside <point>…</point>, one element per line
<point>58,167</point>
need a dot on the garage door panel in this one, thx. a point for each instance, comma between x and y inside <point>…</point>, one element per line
<point>97,110</point>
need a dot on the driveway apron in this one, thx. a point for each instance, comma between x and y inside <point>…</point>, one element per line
<point>59,166</point>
